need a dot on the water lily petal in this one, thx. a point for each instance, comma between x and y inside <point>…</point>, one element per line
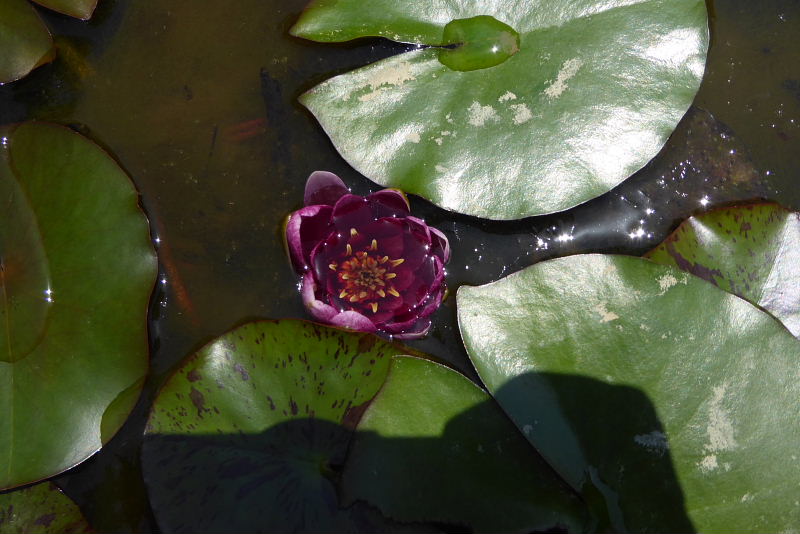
<point>351,211</point>
<point>388,203</point>
<point>323,187</point>
<point>304,230</point>
<point>440,245</point>
<point>418,330</point>
<point>318,309</point>
<point>354,321</point>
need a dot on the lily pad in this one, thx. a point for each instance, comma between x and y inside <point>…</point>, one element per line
<point>675,399</point>
<point>24,39</point>
<point>752,251</point>
<point>76,271</point>
<point>40,509</point>
<point>586,96</point>
<point>433,446</point>
<point>250,432</point>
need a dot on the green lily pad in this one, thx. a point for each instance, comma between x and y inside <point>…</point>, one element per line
<point>752,251</point>
<point>24,39</point>
<point>432,446</point>
<point>250,432</point>
<point>587,97</point>
<point>677,400</point>
<point>81,9</point>
<point>40,509</point>
<point>76,271</point>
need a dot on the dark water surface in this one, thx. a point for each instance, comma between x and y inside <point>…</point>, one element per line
<point>197,101</point>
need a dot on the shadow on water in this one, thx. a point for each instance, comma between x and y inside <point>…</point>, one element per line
<point>286,478</point>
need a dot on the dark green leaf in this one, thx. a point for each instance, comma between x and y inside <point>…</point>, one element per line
<point>752,251</point>
<point>39,509</point>
<point>76,271</point>
<point>432,446</point>
<point>591,95</point>
<point>250,432</point>
<point>661,390</point>
<point>25,41</point>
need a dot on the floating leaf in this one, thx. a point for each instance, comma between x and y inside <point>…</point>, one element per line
<point>589,95</point>
<point>81,9</point>
<point>39,509</point>
<point>752,251</point>
<point>248,434</point>
<point>433,446</point>
<point>24,40</point>
<point>665,392</point>
<point>76,271</point>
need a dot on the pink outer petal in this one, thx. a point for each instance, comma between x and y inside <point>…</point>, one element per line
<point>440,244</point>
<point>388,203</point>
<point>354,321</point>
<point>319,310</point>
<point>420,329</point>
<point>323,187</point>
<point>306,226</point>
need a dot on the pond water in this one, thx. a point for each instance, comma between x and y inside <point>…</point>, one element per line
<point>199,105</point>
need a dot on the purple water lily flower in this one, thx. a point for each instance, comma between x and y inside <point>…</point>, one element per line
<point>366,263</point>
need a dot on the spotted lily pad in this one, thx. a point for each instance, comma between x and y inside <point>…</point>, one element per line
<point>76,271</point>
<point>433,446</point>
<point>40,509</point>
<point>676,400</point>
<point>25,41</point>
<point>530,109</point>
<point>752,251</point>
<point>250,432</point>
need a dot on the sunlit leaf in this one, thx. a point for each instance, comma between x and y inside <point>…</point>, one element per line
<point>39,509</point>
<point>25,41</point>
<point>676,400</point>
<point>586,96</point>
<point>752,251</point>
<point>433,446</point>
<point>250,432</point>
<point>76,271</point>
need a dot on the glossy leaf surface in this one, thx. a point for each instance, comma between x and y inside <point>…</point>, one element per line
<point>675,399</point>
<point>751,251</point>
<point>81,9</point>
<point>433,446</point>
<point>591,95</point>
<point>248,434</point>
<point>25,41</point>
<point>76,271</point>
<point>42,508</point>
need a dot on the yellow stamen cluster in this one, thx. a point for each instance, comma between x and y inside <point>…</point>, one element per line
<point>365,278</point>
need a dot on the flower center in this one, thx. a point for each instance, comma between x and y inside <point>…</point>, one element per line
<point>365,277</point>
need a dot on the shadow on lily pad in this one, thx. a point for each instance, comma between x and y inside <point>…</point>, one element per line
<point>288,477</point>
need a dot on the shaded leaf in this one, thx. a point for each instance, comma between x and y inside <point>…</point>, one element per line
<point>250,431</point>
<point>24,40</point>
<point>433,446</point>
<point>76,271</point>
<point>39,509</point>
<point>752,251</point>
<point>677,400</point>
<point>591,95</point>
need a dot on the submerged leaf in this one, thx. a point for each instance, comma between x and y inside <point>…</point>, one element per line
<point>25,41</point>
<point>81,9</point>
<point>675,399</point>
<point>752,251</point>
<point>76,271</point>
<point>586,96</point>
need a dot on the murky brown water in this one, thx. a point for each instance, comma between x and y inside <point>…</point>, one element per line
<point>198,103</point>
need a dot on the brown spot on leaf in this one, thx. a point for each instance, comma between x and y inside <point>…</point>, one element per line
<point>198,400</point>
<point>193,375</point>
